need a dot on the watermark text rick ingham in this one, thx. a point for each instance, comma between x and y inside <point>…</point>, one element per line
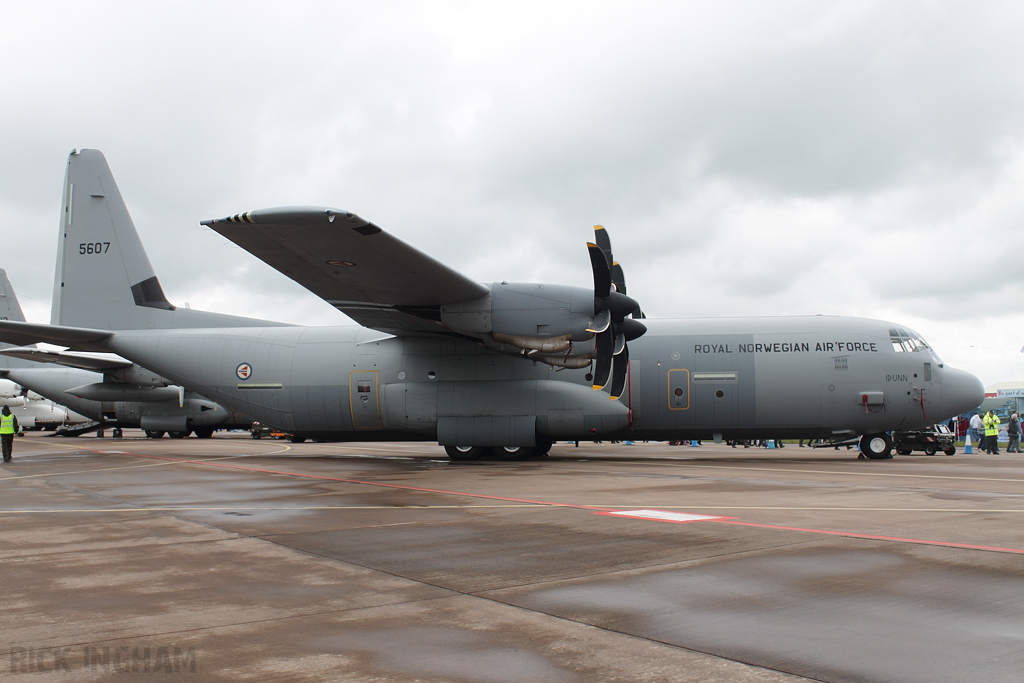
<point>151,658</point>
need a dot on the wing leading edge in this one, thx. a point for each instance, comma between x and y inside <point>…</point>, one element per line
<point>369,275</point>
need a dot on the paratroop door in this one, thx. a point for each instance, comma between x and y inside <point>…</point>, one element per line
<point>363,399</point>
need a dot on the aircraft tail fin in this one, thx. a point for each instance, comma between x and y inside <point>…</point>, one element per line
<point>99,251</point>
<point>104,279</point>
<point>10,309</point>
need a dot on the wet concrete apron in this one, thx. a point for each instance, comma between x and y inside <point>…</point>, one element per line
<point>260,560</point>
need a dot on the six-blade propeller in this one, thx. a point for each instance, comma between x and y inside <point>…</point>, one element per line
<point>611,326</point>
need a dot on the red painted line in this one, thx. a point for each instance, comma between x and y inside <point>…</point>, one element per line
<point>872,537</point>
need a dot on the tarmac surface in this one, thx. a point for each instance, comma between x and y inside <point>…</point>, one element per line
<point>231,559</point>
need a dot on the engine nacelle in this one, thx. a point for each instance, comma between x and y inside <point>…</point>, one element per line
<point>541,318</point>
<point>116,391</point>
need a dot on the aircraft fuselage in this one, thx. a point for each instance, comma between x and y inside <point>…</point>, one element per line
<point>792,377</point>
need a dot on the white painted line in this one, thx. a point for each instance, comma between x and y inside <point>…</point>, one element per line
<point>664,515</point>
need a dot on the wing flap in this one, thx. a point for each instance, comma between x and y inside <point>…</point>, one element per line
<point>373,277</point>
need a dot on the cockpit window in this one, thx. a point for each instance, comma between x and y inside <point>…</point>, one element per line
<point>907,340</point>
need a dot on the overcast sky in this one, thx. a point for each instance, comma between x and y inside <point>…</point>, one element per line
<point>747,158</point>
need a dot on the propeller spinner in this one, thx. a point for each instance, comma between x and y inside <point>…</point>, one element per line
<point>612,327</point>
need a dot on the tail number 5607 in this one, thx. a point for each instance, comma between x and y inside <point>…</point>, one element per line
<point>94,248</point>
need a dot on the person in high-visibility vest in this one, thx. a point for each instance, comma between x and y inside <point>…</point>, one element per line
<point>992,422</point>
<point>8,427</point>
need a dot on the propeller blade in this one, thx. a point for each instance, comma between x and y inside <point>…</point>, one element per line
<point>618,278</point>
<point>619,374</point>
<point>601,321</point>
<point>603,358</point>
<point>603,241</point>
<point>620,344</point>
<point>602,271</point>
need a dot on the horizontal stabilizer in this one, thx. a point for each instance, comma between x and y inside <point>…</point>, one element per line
<point>373,277</point>
<point>78,338</point>
<point>71,359</point>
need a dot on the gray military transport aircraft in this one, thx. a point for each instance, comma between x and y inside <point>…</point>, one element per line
<point>507,366</point>
<point>111,391</point>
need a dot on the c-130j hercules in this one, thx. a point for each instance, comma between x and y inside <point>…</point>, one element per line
<point>507,366</point>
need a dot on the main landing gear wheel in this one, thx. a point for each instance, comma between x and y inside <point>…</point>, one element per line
<point>876,446</point>
<point>204,433</point>
<point>297,439</point>
<point>464,453</point>
<point>178,435</point>
<point>542,449</point>
<point>154,434</point>
<point>513,453</point>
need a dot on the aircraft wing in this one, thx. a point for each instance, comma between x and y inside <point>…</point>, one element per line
<point>79,338</point>
<point>70,359</point>
<point>373,277</point>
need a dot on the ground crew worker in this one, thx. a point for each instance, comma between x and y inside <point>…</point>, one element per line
<point>976,431</point>
<point>992,432</point>
<point>8,426</point>
<point>1013,431</point>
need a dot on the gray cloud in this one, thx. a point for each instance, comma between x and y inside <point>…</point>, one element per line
<point>748,158</point>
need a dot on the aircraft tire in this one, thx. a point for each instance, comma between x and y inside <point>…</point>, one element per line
<point>204,433</point>
<point>951,450</point>
<point>154,434</point>
<point>876,446</point>
<point>464,453</point>
<point>929,449</point>
<point>543,447</point>
<point>514,453</point>
<point>178,435</point>
<point>297,439</point>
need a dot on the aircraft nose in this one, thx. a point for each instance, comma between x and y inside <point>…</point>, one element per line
<point>961,392</point>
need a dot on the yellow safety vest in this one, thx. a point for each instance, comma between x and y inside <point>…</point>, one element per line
<point>991,425</point>
<point>6,424</point>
